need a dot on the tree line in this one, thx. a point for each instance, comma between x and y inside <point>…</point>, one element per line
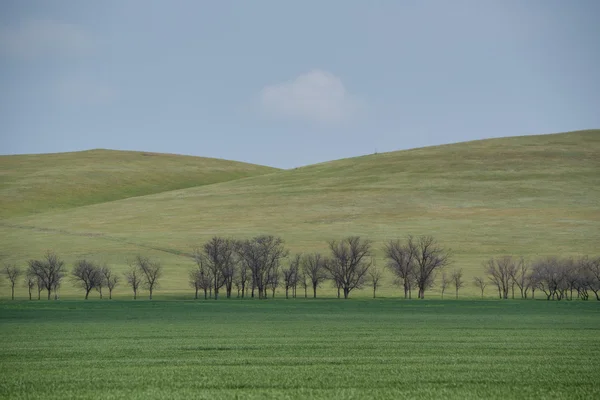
<point>258,266</point>
<point>558,278</point>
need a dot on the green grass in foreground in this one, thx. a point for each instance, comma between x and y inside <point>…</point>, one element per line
<point>299,349</point>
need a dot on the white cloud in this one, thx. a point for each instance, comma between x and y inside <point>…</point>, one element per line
<point>316,95</point>
<point>42,37</point>
<point>79,90</point>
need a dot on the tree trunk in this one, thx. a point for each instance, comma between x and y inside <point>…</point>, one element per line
<point>135,294</point>
<point>87,293</point>
<point>243,288</point>
<point>196,296</point>
<point>205,295</point>
<point>150,296</point>
<point>216,293</point>
<point>286,292</point>
<point>314,291</point>
<point>30,294</point>
<point>457,293</point>
<point>405,289</point>
<point>338,292</point>
<point>110,294</point>
<point>13,292</point>
<point>273,294</point>
<point>306,291</point>
<point>100,291</point>
<point>346,292</point>
<point>49,293</point>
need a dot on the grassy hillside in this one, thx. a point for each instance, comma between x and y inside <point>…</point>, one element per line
<point>527,196</point>
<point>38,183</point>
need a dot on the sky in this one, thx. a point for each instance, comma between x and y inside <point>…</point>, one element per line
<point>287,84</point>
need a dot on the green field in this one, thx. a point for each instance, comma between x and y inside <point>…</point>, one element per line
<point>299,349</point>
<point>526,196</point>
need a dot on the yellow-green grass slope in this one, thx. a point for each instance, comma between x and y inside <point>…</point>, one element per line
<point>36,183</point>
<point>527,196</point>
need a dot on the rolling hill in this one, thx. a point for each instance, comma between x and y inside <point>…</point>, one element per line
<point>36,183</point>
<point>529,196</point>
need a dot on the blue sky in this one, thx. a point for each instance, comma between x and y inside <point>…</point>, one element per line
<point>287,83</point>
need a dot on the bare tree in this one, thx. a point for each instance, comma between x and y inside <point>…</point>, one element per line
<point>500,272</point>
<point>457,275</point>
<point>13,273</point>
<point>314,266</point>
<point>195,281</point>
<point>261,255</point>
<point>549,276</point>
<point>400,260</point>
<point>593,269</point>
<point>290,274</point>
<point>480,283</point>
<point>520,277</point>
<point>349,262</point>
<point>241,277</point>
<point>273,279</point>
<point>375,275</point>
<point>200,278</point>
<point>219,259</point>
<point>87,275</point>
<point>304,281</point>
<point>133,277</point>
<point>30,282</point>
<point>50,271</point>
<point>445,283</point>
<point>111,280</point>
<point>151,273</point>
<point>429,257</point>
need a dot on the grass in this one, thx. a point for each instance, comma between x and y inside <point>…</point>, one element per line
<point>384,349</point>
<point>529,196</point>
<point>36,183</point>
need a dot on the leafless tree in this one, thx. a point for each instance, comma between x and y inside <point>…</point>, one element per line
<point>400,260</point>
<point>13,273</point>
<point>111,280</point>
<point>261,255</point>
<point>592,268</point>
<point>445,283</point>
<point>549,277</point>
<point>273,280</point>
<point>500,272</point>
<point>151,273</point>
<point>201,278</point>
<point>290,275</point>
<point>457,275</point>
<point>219,259</point>
<point>241,278</point>
<point>134,279</point>
<point>304,281</point>
<point>314,266</point>
<point>49,271</point>
<point>480,283</point>
<point>520,276</point>
<point>87,275</point>
<point>30,282</point>
<point>375,275</point>
<point>195,279</point>
<point>350,262</point>
<point>429,257</point>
